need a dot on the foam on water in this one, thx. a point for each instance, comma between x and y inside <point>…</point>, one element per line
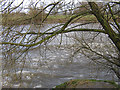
<point>24,72</point>
<point>38,86</point>
<point>16,85</point>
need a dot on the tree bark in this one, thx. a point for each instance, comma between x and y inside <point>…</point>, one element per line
<point>105,24</point>
<point>109,31</point>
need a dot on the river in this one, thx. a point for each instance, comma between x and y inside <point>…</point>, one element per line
<point>49,65</point>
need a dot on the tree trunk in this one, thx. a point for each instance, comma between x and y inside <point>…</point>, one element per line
<point>106,26</point>
<point>112,35</point>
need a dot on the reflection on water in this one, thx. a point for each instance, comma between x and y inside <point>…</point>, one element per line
<point>54,68</point>
<point>51,65</point>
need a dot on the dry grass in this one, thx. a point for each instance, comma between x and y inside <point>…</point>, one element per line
<point>24,19</point>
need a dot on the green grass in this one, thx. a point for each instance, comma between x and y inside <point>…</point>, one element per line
<point>13,18</point>
<point>64,18</point>
<point>88,17</point>
<point>108,81</point>
<point>63,85</point>
<point>76,81</point>
<point>17,19</point>
<point>58,16</point>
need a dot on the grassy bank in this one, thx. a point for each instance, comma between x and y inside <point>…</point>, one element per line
<point>24,19</point>
<point>77,83</point>
<point>15,19</point>
<point>64,18</point>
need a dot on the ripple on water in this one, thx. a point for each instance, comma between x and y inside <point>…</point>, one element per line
<point>62,59</point>
<point>28,78</point>
<point>38,86</point>
<point>55,66</point>
<point>35,64</point>
<point>35,59</point>
<point>16,85</point>
<point>23,71</point>
<point>52,58</point>
<point>69,78</point>
<point>81,75</point>
<point>67,54</point>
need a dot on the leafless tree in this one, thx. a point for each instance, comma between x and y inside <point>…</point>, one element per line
<point>17,39</point>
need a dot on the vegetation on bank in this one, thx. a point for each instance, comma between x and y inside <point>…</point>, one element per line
<point>24,19</point>
<point>77,83</point>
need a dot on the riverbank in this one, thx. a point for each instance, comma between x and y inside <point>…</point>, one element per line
<point>77,83</point>
<point>25,19</point>
<point>65,18</point>
<point>51,19</point>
